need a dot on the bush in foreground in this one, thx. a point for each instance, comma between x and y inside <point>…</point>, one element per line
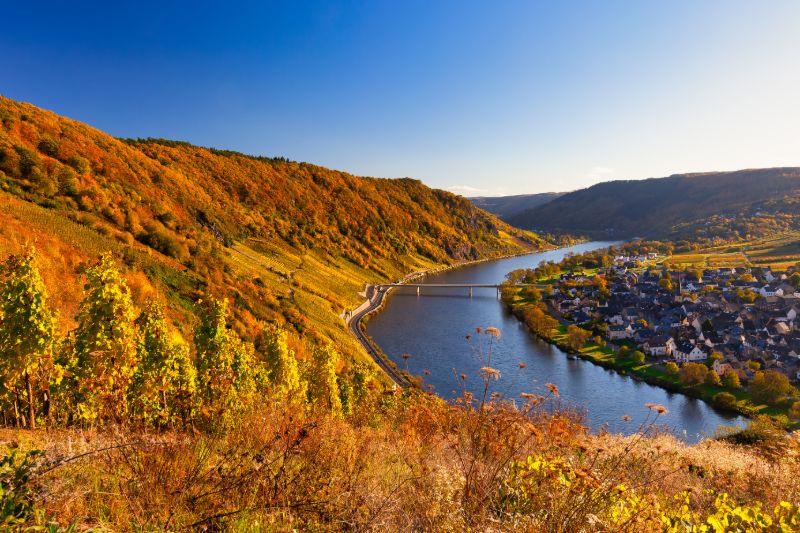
<point>408,462</point>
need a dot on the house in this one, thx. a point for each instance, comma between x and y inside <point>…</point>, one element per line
<point>770,290</point>
<point>788,290</point>
<point>659,345</point>
<point>616,320</point>
<point>686,352</point>
<point>568,305</point>
<point>616,332</point>
<point>721,368</point>
<point>580,317</point>
<point>631,313</point>
<point>678,319</point>
<point>783,351</point>
<point>691,286</point>
<point>642,335</point>
<point>778,328</point>
<point>769,303</point>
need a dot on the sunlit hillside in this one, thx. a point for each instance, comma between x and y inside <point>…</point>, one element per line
<point>285,241</point>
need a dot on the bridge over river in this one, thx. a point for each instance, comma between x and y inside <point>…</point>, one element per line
<point>375,295</point>
<point>419,286</point>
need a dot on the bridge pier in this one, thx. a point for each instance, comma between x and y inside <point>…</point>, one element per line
<point>418,290</point>
<point>470,292</point>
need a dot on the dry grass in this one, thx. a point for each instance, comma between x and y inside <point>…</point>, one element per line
<point>416,464</point>
<point>425,465</point>
<point>747,473</point>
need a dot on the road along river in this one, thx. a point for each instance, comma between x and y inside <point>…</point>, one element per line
<point>431,329</point>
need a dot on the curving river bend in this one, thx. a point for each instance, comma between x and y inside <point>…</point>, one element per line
<point>432,327</point>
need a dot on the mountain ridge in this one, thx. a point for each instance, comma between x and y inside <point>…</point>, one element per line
<point>671,207</point>
<point>507,206</point>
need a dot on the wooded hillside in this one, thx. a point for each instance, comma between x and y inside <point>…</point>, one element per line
<point>285,241</point>
<point>727,205</point>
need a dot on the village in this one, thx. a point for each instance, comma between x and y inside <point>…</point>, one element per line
<point>737,319</point>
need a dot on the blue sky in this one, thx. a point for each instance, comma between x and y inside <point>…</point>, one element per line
<point>477,97</point>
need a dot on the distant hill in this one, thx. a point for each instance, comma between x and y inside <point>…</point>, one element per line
<point>508,206</point>
<point>286,241</point>
<point>725,205</point>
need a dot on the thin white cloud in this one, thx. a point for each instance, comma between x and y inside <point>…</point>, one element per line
<point>597,174</point>
<point>602,171</point>
<point>467,190</point>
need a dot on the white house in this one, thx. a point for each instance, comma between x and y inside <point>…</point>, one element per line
<point>686,352</point>
<point>769,290</point>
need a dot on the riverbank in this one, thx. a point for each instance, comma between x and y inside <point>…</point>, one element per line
<point>599,353</point>
<point>356,320</point>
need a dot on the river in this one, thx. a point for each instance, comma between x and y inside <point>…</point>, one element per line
<point>431,330</point>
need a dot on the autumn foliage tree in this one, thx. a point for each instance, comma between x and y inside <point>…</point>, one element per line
<point>105,355</point>
<point>731,379</point>
<point>164,385</point>
<point>725,400</point>
<point>770,386</point>
<point>539,322</point>
<point>27,332</point>
<point>281,363</point>
<point>693,374</point>
<point>117,367</point>
<point>531,293</point>
<point>712,378</point>
<point>577,337</point>
<point>794,411</point>
<point>225,364</point>
<point>323,387</point>
<point>672,369</point>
